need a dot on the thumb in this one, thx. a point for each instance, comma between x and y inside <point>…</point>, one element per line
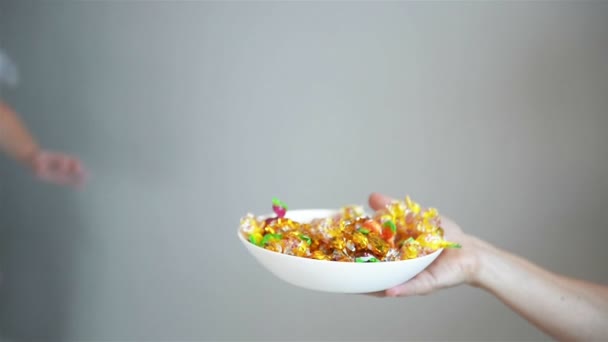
<point>378,201</point>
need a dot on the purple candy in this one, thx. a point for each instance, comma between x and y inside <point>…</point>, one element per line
<point>280,211</point>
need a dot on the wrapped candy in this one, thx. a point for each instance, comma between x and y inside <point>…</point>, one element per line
<point>402,230</point>
<point>351,212</point>
<point>410,249</point>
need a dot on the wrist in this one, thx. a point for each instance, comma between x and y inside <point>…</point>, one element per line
<point>479,272</point>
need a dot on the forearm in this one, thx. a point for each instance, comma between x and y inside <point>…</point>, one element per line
<point>15,139</point>
<point>564,308</point>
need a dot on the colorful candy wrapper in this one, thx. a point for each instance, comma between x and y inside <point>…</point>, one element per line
<point>400,231</point>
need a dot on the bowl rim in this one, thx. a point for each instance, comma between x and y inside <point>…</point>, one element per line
<point>303,259</point>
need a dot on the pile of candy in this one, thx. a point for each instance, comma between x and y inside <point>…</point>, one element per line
<point>400,231</point>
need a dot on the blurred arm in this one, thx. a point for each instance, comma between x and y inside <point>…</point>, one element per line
<point>564,308</point>
<point>15,139</point>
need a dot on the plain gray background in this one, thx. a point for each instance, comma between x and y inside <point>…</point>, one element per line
<point>191,114</point>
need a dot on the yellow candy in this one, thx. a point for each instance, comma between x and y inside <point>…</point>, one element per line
<point>284,225</point>
<point>385,218</point>
<point>360,240</point>
<point>275,247</point>
<point>351,212</point>
<point>410,250</point>
<point>269,229</point>
<point>301,249</point>
<point>397,209</point>
<point>412,206</point>
<point>319,255</point>
<point>292,235</point>
<point>250,225</point>
<point>338,244</point>
<point>377,245</point>
<point>430,214</point>
<point>431,241</point>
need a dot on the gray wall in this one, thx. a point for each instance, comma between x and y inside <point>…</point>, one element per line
<point>191,114</point>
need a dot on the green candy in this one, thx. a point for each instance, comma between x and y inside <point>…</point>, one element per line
<point>364,231</point>
<point>253,240</point>
<point>391,224</point>
<point>278,203</point>
<point>306,238</point>
<point>454,245</point>
<point>270,237</point>
<point>372,259</point>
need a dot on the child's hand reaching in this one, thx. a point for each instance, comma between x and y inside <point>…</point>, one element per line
<point>57,168</point>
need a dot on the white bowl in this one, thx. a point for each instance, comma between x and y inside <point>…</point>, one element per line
<point>334,276</point>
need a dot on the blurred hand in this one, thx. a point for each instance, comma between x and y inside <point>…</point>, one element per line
<point>58,168</point>
<point>453,267</point>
